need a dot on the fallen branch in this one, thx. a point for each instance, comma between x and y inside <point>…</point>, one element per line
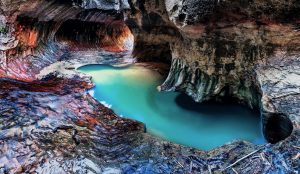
<point>209,169</point>
<point>262,155</point>
<point>191,166</point>
<point>286,95</point>
<point>180,164</point>
<point>271,161</point>
<point>239,160</point>
<point>257,156</point>
<point>296,156</point>
<point>234,171</point>
<point>296,147</point>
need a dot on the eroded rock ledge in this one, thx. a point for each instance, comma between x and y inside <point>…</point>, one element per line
<point>225,49</point>
<point>46,129</point>
<point>246,50</point>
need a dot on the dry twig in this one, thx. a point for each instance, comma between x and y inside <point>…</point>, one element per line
<point>296,156</point>
<point>209,169</point>
<point>191,166</point>
<point>239,160</point>
<point>296,146</point>
<point>262,155</point>
<point>180,164</point>
<point>234,171</point>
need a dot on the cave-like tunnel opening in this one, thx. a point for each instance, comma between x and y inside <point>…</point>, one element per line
<point>92,29</point>
<point>116,35</point>
<point>112,36</point>
<point>84,29</point>
<point>277,127</point>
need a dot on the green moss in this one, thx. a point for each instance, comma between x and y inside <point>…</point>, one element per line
<point>3,30</point>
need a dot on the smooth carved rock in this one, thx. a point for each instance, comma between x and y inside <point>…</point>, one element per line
<point>241,49</point>
<point>68,131</point>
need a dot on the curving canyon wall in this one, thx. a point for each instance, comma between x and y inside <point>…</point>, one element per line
<point>216,49</point>
<point>222,49</point>
<point>246,51</point>
<point>37,33</point>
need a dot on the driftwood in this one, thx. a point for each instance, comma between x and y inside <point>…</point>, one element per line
<point>296,156</point>
<point>262,155</point>
<point>234,171</point>
<point>180,164</point>
<point>296,147</point>
<point>191,166</point>
<point>244,157</point>
<point>209,169</point>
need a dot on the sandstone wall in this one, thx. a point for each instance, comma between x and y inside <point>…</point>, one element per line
<point>217,49</point>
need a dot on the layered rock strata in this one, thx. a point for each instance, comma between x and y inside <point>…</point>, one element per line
<point>53,125</point>
<point>247,50</point>
<point>224,49</point>
<point>40,34</point>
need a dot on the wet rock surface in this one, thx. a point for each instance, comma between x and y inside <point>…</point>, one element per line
<point>232,49</point>
<point>53,125</point>
<point>48,124</point>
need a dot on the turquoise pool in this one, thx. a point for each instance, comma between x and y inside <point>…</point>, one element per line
<point>132,93</point>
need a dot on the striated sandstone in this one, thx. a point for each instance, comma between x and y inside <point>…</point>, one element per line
<point>247,50</point>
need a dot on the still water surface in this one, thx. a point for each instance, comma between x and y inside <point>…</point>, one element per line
<point>132,93</point>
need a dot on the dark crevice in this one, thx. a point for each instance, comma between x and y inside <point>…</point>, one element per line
<point>79,31</point>
<point>277,127</point>
<point>146,52</point>
<point>207,107</point>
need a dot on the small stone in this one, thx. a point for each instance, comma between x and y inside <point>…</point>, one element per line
<point>3,161</point>
<point>111,171</point>
<point>28,142</point>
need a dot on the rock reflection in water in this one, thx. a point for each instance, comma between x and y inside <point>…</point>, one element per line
<point>131,92</point>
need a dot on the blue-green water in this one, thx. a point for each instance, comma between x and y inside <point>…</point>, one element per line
<point>132,93</point>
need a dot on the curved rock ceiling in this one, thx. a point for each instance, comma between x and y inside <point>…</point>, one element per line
<point>248,50</point>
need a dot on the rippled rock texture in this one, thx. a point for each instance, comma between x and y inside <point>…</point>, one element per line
<point>248,50</point>
<point>226,41</point>
<point>37,35</point>
<point>222,49</point>
<point>45,129</point>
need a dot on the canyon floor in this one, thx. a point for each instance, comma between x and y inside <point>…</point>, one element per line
<point>52,125</point>
<point>246,50</point>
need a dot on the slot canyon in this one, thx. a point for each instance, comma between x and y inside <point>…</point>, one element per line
<point>149,86</point>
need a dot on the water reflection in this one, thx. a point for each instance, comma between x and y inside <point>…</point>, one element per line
<point>131,92</point>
